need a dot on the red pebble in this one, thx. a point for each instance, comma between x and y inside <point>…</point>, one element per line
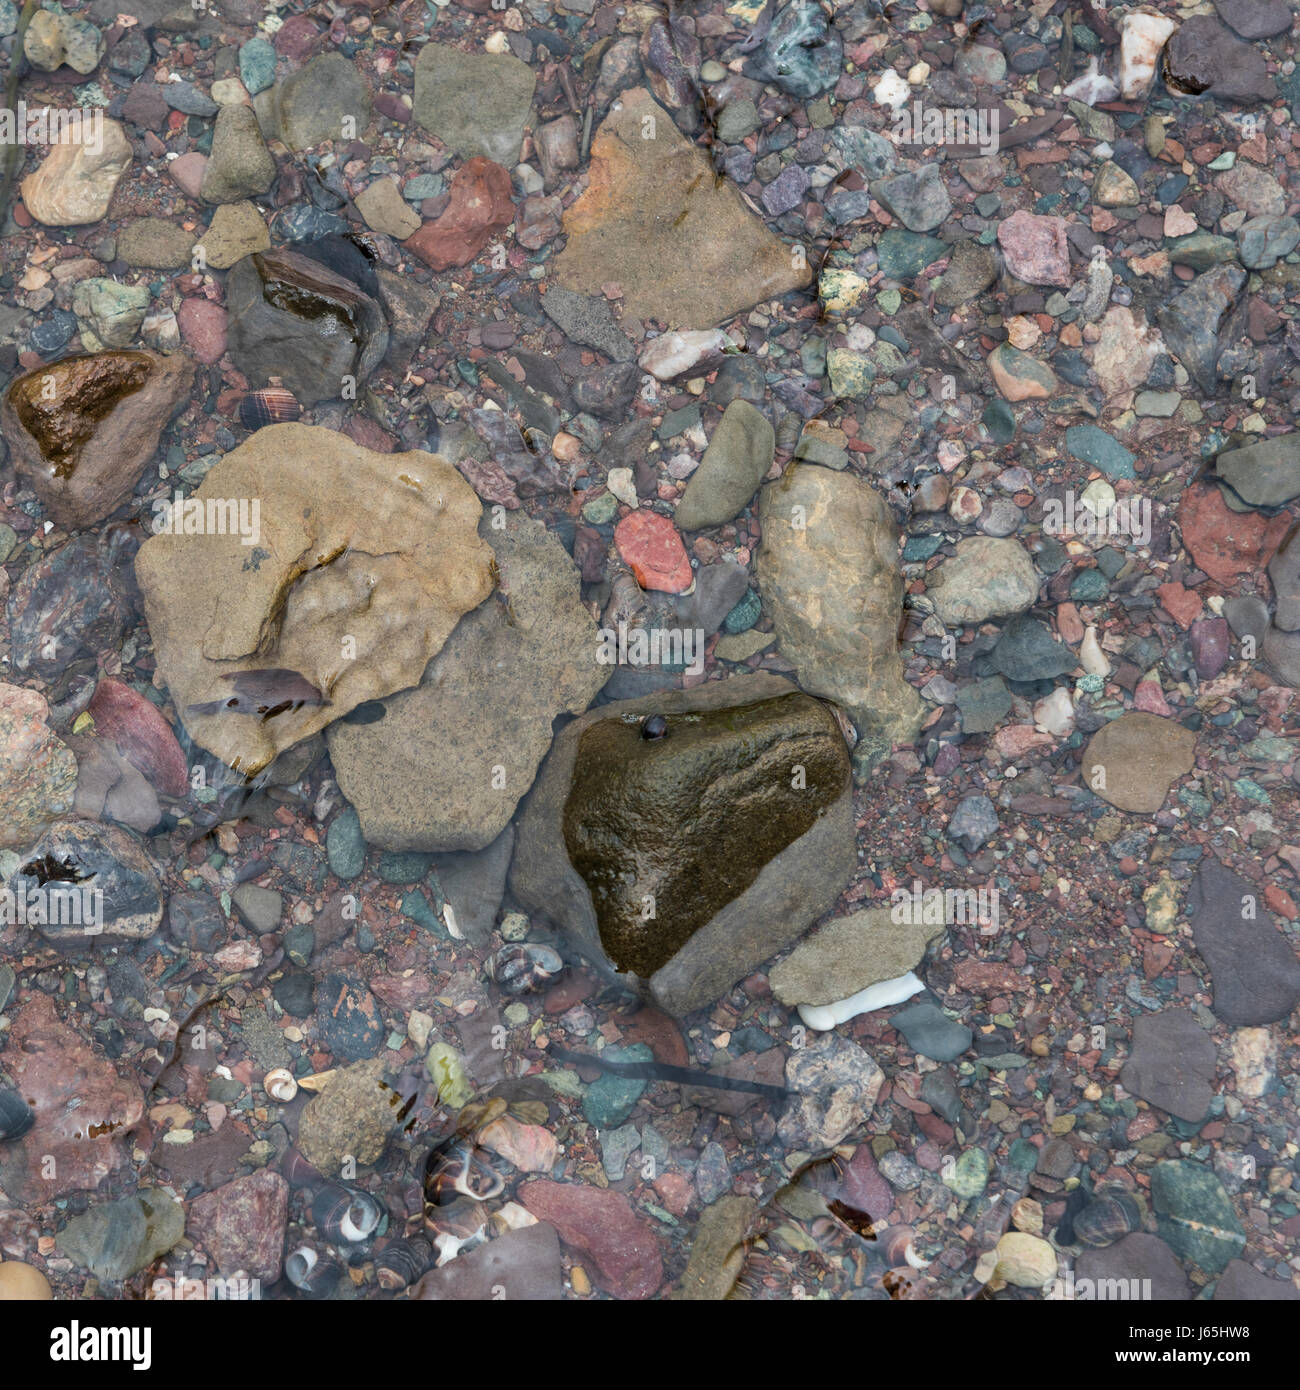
<point>480,206</point>
<point>142,735</point>
<point>651,545</point>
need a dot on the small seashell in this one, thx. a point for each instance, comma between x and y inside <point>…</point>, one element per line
<point>271,406</point>
<point>310,1273</point>
<point>297,1172</point>
<point>280,1085</point>
<point>523,969</point>
<point>344,1213</point>
<point>1110,1216</point>
<point>454,1226</point>
<point>656,726</point>
<point>16,1116</point>
<point>401,1262</point>
<point>456,1169</point>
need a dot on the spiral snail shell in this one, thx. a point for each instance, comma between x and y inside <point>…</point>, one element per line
<point>311,1273</point>
<point>279,1083</point>
<point>345,1214</point>
<point>401,1262</point>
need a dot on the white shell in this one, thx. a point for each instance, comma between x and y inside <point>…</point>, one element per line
<point>280,1085</point>
<point>881,995</point>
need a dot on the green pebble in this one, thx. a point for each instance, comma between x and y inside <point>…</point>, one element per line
<point>745,614</point>
<point>8,540</point>
<point>970,1175</point>
<point>1252,791</point>
<point>611,1099</point>
<point>1089,585</point>
<point>416,906</point>
<point>889,301</point>
<point>345,847</point>
<point>601,510</point>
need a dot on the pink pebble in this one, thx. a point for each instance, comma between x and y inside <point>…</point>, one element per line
<point>203,327</point>
<point>187,173</point>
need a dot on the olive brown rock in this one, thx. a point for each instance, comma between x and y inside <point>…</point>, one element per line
<point>828,572</point>
<point>738,456</point>
<point>1132,761</point>
<point>655,220</point>
<point>475,103</point>
<point>361,567</point>
<point>683,861</point>
<point>448,763</point>
<point>292,317</point>
<point>850,954</point>
<point>82,430</point>
<point>353,1115</point>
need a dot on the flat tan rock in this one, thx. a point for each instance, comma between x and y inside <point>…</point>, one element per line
<point>828,572</point>
<point>656,221</point>
<point>1134,760</point>
<point>362,565</point>
<point>850,954</point>
<point>75,183</point>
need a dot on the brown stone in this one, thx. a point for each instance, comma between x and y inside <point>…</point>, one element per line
<point>480,207</point>
<point>1134,760</point>
<point>363,565</point>
<point>83,443</point>
<point>656,220</point>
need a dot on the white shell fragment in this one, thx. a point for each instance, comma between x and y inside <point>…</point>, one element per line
<point>824,1017</point>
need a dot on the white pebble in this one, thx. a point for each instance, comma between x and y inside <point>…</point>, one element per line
<point>620,483</point>
<point>824,1017</point>
<point>1054,714</point>
<point>1091,657</point>
<point>891,90</point>
<point>1141,37</point>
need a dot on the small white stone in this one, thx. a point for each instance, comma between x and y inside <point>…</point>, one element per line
<point>1092,86</point>
<point>881,995</point>
<point>1091,657</point>
<point>1054,714</point>
<point>620,483</point>
<point>1099,498</point>
<point>1141,37</point>
<point>917,74</point>
<point>891,90</point>
<point>497,42</point>
<point>418,1027</point>
<point>674,354</point>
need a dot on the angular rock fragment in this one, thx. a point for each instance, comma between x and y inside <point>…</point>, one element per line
<point>734,830</point>
<point>293,318</point>
<point>82,430</point>
<point>828,572</point>
<point>1254,969</point>
<point>507,671</point>
<point>653,219</point>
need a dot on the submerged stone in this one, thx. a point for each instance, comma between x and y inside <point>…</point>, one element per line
<point>292,317</point>
<point>802,53</point>
<point>83,429</point>
<point>654,219</point>
<point>689,859</point>
<point>688,820</point>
